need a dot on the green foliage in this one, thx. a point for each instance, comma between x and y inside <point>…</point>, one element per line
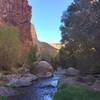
<point>54,60</point>
<point>80,34</point>
<point>66,58</point>
<point>32,56</point>
<point>76,93</point>
<point>9,47</point>
<point>8,86</point>
<point>3,98</point>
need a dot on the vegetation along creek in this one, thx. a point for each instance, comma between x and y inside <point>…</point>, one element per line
<point>49,49</point>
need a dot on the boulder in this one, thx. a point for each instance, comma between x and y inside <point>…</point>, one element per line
<point>64,81</point>
<point>60,71</point>
<point>88,79</point>
<point>96,85</point>
<point>72,72</point>
<point>24,80</point>
<point>43,69</point>
<point>20,82</point>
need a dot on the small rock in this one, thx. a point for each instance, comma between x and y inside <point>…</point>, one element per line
<point>72,72</point>
<point>96,85</point>
<point>60,71</point>
<point>89,80</point>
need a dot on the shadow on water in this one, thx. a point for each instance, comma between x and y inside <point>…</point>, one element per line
<point>42,89</point>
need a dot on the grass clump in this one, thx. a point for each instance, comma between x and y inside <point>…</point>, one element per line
<point>76,93</point>
<point>6,85</point>
<point>3,98</point>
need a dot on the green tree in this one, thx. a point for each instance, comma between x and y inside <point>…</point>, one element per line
<point>80,32</point>
<point>9,47</point>
<point>32,56</point>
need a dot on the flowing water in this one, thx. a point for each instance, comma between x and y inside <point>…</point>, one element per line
<point>42,89</point>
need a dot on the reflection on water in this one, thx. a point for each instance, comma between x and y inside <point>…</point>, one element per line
<point>43,89</point>
<point>47,97</point>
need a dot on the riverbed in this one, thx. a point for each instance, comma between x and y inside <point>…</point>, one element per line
<point>42,89</point>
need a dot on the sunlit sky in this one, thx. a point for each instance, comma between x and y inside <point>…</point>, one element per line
<point>46,16</point>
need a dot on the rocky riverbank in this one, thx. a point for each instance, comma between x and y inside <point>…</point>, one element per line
<point>8,82</point>
<point>72,76</point>
<point>24,79</point>
<point>41,89</point>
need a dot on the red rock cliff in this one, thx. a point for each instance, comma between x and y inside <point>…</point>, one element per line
<point>18,13</point>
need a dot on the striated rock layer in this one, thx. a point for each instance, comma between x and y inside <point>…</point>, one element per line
<point>18,13</point>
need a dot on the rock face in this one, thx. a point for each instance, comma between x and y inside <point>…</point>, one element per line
<point>34,35</point>
<point>18,13</point>
<point>43,69</point>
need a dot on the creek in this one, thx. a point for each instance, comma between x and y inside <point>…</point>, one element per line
<point>42,89</point>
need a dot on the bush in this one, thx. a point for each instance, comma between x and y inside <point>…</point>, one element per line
<point>31,59</point>
<point>54,60</point>
<point>76,93</point>
<point>32,56</point>
<point>3,98</point>
<point>9,47</point>
<point>66,58</point>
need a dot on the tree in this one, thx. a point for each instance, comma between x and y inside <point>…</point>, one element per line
<point>9,47</point>
<point>32,56</point>
<point>80,32</point>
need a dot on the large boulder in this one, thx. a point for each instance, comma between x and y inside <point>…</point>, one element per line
<point>43,69</point>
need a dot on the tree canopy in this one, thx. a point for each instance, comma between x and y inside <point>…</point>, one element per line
<point>80,32</point>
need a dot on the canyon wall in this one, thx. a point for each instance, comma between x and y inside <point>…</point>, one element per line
<point>18,13</point>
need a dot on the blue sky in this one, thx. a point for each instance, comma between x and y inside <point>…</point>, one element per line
<point>46,16</point>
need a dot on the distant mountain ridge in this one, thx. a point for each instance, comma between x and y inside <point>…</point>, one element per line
<point>43,47</point>
<point>56,45</point>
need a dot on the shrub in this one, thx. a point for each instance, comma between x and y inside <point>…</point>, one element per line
<point>3,98</point>
<point>66,58</point>
<point>54,60</point>
<point>9,47</point>
<point>32,56</point>
<point>76,93</point>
